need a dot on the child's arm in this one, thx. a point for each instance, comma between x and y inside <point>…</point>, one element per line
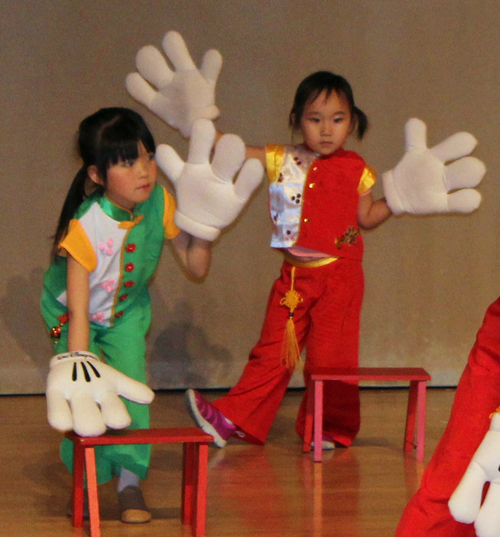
<point>372,213</point>
<point>78,306</point>
<point>195,254</point>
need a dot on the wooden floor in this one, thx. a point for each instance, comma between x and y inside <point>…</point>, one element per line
<point>269,491</point>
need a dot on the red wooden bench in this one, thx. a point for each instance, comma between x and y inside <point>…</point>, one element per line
<point>417,378</point>
<point>194,472</point>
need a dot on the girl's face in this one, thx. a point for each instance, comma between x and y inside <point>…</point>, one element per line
<point>326,123</point>
<point>130,182</point>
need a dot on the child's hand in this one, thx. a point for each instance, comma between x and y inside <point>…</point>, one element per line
<point>207,198</point>
<point>465,503</point>
<point>82,394</point>
<point>420,183</point>
<point>183,95</point>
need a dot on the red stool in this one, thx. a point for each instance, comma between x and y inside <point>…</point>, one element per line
<point>194,472</point>
<point>417,377</point>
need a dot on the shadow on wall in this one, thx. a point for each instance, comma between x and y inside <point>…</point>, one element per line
<point>183,356</point>
<point>20,312</point>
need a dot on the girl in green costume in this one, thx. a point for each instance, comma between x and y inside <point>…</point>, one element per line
<point>106,248</point>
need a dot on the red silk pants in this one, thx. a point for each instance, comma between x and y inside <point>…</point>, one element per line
<point>477,396</point>
<point>327,322</point>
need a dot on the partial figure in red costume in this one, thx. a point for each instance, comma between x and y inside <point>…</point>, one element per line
<point>320,199</point>
<point>430,512</point>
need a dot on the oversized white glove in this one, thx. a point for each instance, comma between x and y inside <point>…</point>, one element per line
<point>465,503</point>
<point>184,94</point>
<point>207,198</point>
<point>422,184</point>
<point>82,394</point>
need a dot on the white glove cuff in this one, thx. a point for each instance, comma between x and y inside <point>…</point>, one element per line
<point>58,358</point>
<point>391,195</point>
<point>202,231</point>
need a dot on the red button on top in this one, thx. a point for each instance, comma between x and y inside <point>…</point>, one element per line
<point>130,248</point>
<point>129,284</point>
<point>129,267</point>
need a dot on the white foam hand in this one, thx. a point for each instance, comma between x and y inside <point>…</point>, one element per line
<point>182,95</point>
<point>207,198</point>
<point>83,394</point>
<point>465,503</point>
<point>422,184</point>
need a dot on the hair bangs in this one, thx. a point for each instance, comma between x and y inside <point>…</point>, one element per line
<point>120,141</point>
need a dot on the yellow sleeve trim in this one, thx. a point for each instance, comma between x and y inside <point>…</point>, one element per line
<point>77,244</point>
<point>368,179</point>
<point>171,230</point>
<point>274,161</point>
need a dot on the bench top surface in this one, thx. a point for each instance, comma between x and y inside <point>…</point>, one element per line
<point>369,373</point>
<point>146,436</point>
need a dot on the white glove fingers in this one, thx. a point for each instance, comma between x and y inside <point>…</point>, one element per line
<point>228,157</point>
<point>87,418</point>
<point>169,161</point>
<point>133,390</point>
<point>466,172</point>
<point>202,140</point>
<point>153,67</point>
<point>488,521</point>
<point>415,134</point>
<point>456,146</point>
<point>139,89</point>
<point>177,52</point>
<point>114,412</point>
<point>464,201</point>
<point>465,501</point>
<point>58,411</point>
<point>211,65</point>
<point>249,178</point>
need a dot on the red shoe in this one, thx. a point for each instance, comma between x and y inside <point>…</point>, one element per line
<point>208,418</point>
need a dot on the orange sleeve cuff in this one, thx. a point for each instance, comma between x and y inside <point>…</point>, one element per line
<point>78,246</point>
<point>368,179</point>
<point>274,161</point>
<point>171,230</point>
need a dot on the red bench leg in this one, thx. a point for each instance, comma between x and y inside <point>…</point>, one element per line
<point>416,415</point>
<point>198,524</point>
<point>95,522</point>
<point>318,421</point>
<point>194,487</point>
<point>308,427</point>
<point>78,473</point>
<point>421,404</point>
<point>188,483</point>
<point>409,443</point>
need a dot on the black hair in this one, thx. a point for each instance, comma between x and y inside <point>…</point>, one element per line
<point>313,85</point>
<point>105,138</point>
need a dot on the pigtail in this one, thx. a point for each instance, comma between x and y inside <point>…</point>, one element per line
<point>74,198</point>
<point>362,122</point>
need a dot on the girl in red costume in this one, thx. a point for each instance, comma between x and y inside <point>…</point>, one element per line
<point>320,197</point>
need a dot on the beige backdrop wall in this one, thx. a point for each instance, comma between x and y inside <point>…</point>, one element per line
<point>429,279</point>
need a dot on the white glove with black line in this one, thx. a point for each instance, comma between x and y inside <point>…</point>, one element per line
<point>83,394</point>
